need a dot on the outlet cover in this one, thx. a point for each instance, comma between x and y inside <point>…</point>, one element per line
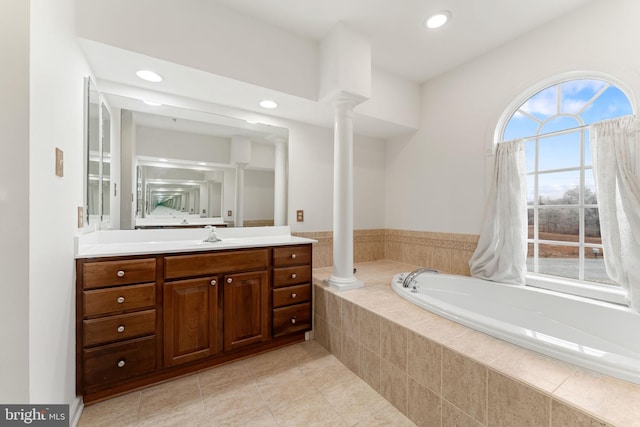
<point>300,215</point>
<point>229,213</point>
<point>80,217</point>
<point>59,162</point>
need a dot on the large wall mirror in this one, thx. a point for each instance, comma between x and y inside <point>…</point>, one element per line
<point>98,166</point>
<point>192,168</point>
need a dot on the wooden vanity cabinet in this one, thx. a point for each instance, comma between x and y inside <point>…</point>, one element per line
<point>191,328</point>
<point>117,321</point>
<point>246,309</point>
<point>291,289</point>
<point>143,319</point>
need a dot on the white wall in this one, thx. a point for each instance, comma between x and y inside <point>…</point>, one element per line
<point>311,179</point>
<point>436,178</point>
<point>57,71</point>
<point>14,202</point>
<point>181,145</point>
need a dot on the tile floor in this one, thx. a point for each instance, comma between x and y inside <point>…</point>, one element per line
<point>298,385</point>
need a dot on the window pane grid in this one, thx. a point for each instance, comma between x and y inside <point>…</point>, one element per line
<point>563,236</point>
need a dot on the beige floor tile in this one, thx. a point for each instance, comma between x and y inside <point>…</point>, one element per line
<point>354,400</point>
<point>119,411</point>
<point>234,402</point>
<point>324,372</point>
<point>185,413</point>
<point>219,377</point>
<point>309,411</point>
<point>170,397</point>
<point>280,387</point>
<point>386,417</point>
<point>267,363</point>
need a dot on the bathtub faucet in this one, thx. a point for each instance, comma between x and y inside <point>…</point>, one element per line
<point>415,273</point>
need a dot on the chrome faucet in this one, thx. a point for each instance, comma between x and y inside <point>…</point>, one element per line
<point>408,281</point>
<point>212,237</point>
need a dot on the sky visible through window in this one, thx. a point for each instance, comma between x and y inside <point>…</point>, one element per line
<point>568,105</point>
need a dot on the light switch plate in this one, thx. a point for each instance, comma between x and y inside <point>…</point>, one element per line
<point>80,217</point>
<point>59,162</point>
<point>229,213</point>
<point>300,215</point>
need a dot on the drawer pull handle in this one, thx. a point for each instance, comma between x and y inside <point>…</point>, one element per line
<point>294,275</point>
<point>294,295</point>
<point>120,273</point>
<point>120,300</point>
<point>213,282</point>
<point>293,256</point>
<point>229,280</point>
<point>120,329</point>
<point>293,320</point>
<point>121,364</point>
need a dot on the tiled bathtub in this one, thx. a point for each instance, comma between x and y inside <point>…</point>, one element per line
<point>438,372</point>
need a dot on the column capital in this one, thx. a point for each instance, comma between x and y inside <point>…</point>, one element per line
<point>341,97</point>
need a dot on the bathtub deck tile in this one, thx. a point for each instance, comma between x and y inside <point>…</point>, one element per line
<point>576,392</point>
<point>613,400</point>
<point>536,369</point>
<point>480,346</point>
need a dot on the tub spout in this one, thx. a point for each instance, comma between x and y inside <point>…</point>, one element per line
<point>415,273</point>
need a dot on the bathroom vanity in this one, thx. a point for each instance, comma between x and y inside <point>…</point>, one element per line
<point>155,304</point>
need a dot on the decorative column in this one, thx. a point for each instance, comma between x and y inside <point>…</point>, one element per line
<point>239,208</point>
<point>342,277</point>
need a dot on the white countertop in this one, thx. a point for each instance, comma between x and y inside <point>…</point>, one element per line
<point>107,243</point>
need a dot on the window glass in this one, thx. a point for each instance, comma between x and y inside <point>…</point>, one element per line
<point>564,226</point>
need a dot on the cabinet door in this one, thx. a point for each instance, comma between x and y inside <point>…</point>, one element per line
<point>190,320</point>
<point>246,309</point>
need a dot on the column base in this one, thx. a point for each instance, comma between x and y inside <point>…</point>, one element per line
<point>342,284</point>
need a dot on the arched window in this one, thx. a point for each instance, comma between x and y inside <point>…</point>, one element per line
<point>564,230</point>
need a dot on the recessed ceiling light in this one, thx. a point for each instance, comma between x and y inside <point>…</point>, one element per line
<point>438,19</point>
<point>202,163</point>
<point>149,76</point>
<point>267,103</point>
<point>163,160</point>
<point>153,104</point>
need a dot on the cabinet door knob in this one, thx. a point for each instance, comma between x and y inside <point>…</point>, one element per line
<point>120,300</point>
<point>121,364</point>
<point>121,329</point>
<point>294,295</point>
<point>294,275</point>
<point>293,320</point>
<point>120,273</point>
<point>213,282</point>
<point>293,256</point>
<point>229,280</point>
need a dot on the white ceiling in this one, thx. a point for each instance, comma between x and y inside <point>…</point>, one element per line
<point>400,44</point>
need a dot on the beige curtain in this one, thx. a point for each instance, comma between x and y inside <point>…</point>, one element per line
<point>615,155</point>
<point>501,254</point>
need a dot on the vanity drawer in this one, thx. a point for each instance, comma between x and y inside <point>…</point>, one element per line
<point>291,319</point>
<point>214,263</point>
<point>120,327</point>
<point>284,256</point>
<point>121,361</point>
<point>122,298</point>
<point>291,295</point>
<point>291,276</point>
<point>110,273</point>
